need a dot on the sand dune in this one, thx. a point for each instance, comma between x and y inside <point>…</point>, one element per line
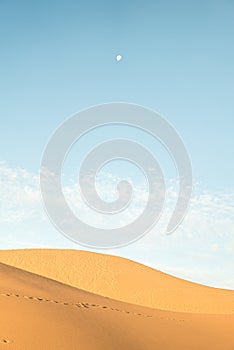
<point>122,279</point>
<point>38,313</point>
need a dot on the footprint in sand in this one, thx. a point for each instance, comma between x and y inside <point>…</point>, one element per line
<point>5,341</point>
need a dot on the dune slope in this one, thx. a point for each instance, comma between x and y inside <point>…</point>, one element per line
<point>121,279</point>
<point>42,314</point>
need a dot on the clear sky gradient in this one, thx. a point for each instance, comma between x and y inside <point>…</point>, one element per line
<point>58,57</point>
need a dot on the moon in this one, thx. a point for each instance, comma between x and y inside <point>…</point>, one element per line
<point>118,58</point>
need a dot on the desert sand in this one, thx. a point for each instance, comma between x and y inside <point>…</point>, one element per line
<point>66,299</point>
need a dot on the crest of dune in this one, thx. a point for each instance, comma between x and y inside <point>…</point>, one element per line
<point>63,299</point>
<point>121,279</point>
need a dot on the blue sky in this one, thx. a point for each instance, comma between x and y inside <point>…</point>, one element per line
<point>58,57</point>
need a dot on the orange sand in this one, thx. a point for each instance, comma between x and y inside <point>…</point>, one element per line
<point>121,279</point>
<point>39,313</point>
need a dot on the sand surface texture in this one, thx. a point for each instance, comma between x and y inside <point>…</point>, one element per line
<point>65,299</point>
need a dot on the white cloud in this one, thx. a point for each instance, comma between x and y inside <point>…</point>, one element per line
<point>201,249</point>
<point>19,194</point>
